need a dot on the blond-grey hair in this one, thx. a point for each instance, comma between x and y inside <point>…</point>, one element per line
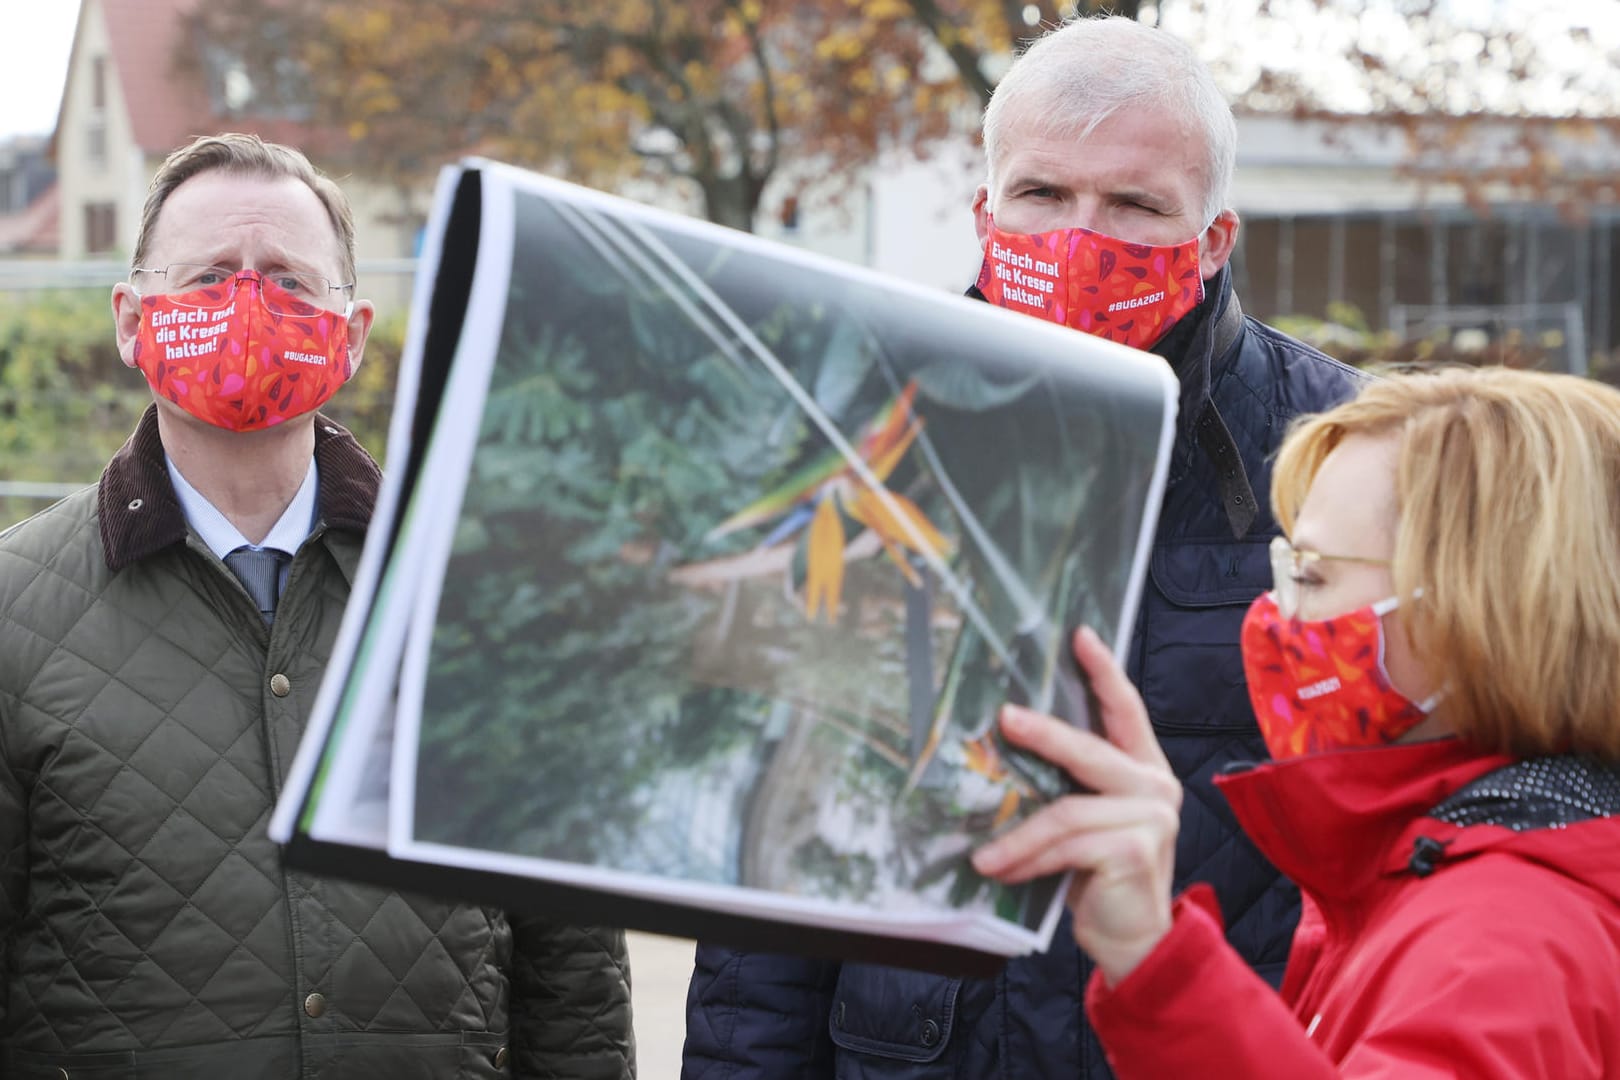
<point>1077,75</point>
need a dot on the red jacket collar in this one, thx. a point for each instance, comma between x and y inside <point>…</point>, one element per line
<point>1331,821</point>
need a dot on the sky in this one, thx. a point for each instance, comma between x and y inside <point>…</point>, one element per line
<point>35,36</point>
<point>33,62</point>
<point>1310,39</point>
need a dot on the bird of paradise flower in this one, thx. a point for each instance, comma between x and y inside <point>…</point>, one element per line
<point>817,493</point>
<point>983,756</point>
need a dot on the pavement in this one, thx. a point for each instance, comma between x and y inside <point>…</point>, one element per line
<point>660,968</point>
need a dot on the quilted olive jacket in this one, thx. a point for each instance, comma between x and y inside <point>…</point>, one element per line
<point>149,928</point>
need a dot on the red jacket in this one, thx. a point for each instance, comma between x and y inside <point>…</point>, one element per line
<point>1425,949</point>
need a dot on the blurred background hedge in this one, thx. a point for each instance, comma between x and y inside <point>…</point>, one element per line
<point>1345,335</point>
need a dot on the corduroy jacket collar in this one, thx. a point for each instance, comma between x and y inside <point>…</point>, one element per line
<point>141,515</point>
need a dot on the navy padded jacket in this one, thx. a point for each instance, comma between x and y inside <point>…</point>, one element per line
<point>752,1016</point>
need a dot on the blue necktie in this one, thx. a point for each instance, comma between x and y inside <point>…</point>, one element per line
<point>260,573</point>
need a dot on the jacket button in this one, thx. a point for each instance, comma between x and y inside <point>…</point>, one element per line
<point>500,1058</point>
<point>62,1074</point>
<point>315,1005</point>
<point>930,1033</point>
<point>838,1015</point>
<point>280,685</point>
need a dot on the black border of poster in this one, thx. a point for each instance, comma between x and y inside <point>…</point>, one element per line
<point>565,903</point>
<point>590,907</point>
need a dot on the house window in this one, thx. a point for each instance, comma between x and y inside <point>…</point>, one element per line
<point>95,134</point>
<point>100,228</point>
<point>98,83</point>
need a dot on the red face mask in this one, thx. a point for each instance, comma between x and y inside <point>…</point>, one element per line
<point>1129,293</point>
<point>242,355</point>
<point>1320,684</point>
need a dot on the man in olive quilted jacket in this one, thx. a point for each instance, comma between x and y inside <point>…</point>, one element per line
<point>162,635</point>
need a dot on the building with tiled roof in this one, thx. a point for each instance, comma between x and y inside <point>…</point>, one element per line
<point>138,86</point>
<point>33,230</point>
<point>29,199</point>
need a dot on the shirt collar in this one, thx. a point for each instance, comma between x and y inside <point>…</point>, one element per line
<point>140,514</point>
<point>222,538</point>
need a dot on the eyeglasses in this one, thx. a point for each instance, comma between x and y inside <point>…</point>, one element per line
<point>285,292</point>
<point>1289,564</point>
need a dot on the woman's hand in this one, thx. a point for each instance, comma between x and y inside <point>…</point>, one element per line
<point>1121,839</point>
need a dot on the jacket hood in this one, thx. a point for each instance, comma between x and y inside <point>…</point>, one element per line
<point>1562,812</point>
<point>1337,822</point>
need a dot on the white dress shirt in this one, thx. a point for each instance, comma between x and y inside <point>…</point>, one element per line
<point>222,538</point>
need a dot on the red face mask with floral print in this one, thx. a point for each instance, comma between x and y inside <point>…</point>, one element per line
<point>1129,293</point>
<point>1320,684</point>
<point>244,354</point>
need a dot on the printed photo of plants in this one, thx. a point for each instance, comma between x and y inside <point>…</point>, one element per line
<point>749,556</point>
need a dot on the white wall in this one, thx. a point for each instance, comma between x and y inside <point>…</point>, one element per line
<point>121,177</point>
<point>903,217</point>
